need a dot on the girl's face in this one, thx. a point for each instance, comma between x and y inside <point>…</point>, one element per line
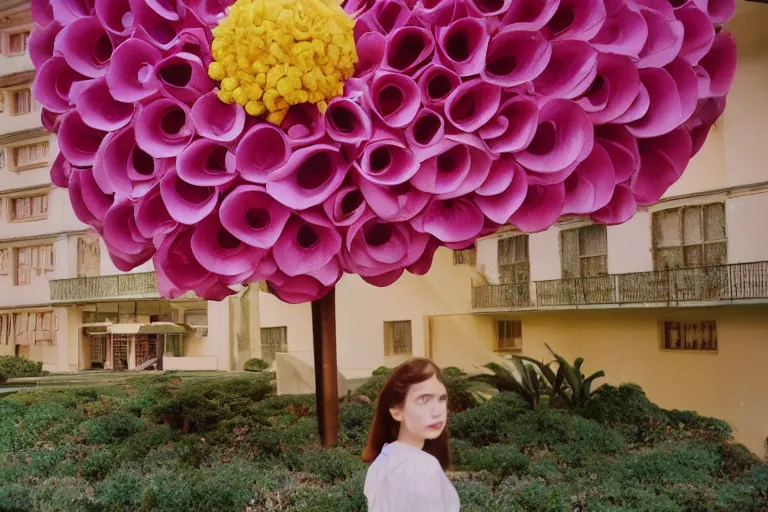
<point>424,413</point>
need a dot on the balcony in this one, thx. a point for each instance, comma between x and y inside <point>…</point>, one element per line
<point>742,282</point>
<point>121,286</point>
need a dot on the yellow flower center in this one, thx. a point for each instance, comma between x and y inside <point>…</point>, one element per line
<point>271,54</point>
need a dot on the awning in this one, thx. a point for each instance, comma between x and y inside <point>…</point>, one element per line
<point>14,79</point>
<point>153,328</point>
<point>23,135</point>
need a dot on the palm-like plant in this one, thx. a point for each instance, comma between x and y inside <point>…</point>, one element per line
<point>524,380</point>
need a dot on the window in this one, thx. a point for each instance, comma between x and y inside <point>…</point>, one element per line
<point>6,334</point>
<point>584,252</point>
<point>5,263</point>
<point>509,335</point>
<point>28,208</point>
<point>513,259</point>
<point>398,338</point>
<point>29,156</point>
<point>27,259</point>
<point>694,336</point>
<point>197,319</point>
<point>274,340</point>
<point>88,257</point>
<point>693,236</point>
<point>22,102</point>
<point>33,328</point>
<point>174,345</point>
<point>465,257</point>
<point>17,43</point>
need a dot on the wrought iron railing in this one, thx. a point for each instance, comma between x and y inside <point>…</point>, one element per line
<point>509,295</point>
<point>741,281</point>
<point>102,287</point>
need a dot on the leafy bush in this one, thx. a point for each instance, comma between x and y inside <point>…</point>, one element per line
<point>112,428</point>
<point>98,464</point>
<point>14,367</point>
<point>489,423</point>
<point>355,420</point>
<point>329,465</point>
<point>712,428</point>
<point>627,409</point>
<point>501,460</point>
<point>255,365</point>
<point>3,377</point>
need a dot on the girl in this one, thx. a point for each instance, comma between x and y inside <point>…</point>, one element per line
<point>408,443</point>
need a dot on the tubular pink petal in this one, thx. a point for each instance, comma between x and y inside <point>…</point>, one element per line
<point>719,11</point>
<point>86,46</point>
<point>530,14</point>
<point>345,206</point>
<point>576,20</point>
<point>116,16</point>
<point>622,149</point>
<point>504,202</point>
<point>41,43</point>
<point>387,161</point>
<point>253,216</point>
<point>69,11</point>
<point>220,252</point>
<point>614,89</point>
<point>311,175</point>
<point>371,49</point>
<point>125,166</point>
<point>78,141</point>
<point>164,128</point>
<point>300,289</point>
<point>53,83</point>
<point>216,120</point>
<point>426,130</point>
<point>698,34</point>
<point>436,83</point>
<point>305,247</point>
<point>130,74</point>
<point>61,169</point>
<point>719,65</point>
<point>177,263</point>
<point>263,153</point>
<point>591,185</point>
<point>407,48</point>
<point>347,122</point>
<point>624,32</point>
<point>187,203</point>
<point>394,204</point>
<point>513,127</point>
<point>304,125</point>
<point>206,163</point>
<point>665,39</point>
<point>42,12</point>
<point>463,45</point>
<point>395,98</point>
<point>540,209</point>
<point>570,70</point>
<point>100,110</point>
<point>182,76</point>
<point>453,220</point>
<point>665,111</point>
<point>472,105</point>
<point>515,57</point>
<point>152,217</point>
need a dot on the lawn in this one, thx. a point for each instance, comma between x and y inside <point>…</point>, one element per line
<point>179,442</point>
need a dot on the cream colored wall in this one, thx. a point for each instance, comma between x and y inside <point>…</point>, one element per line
<point>464,341</point>
<point>362,309</point>
<point>190,363</point>
<point>629,246</point>
<point>61,218</point>
<point>544,255</point>
<point>488,259</point>
<point>747,240</point>
<point>730,384</point>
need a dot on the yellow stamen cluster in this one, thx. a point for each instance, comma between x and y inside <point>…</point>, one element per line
<point>271,54</point>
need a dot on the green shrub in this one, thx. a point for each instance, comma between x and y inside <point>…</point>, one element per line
<point>121,490</point>
<point>3,377</point>
<point>628,410</point>
<point>383,370</point>
<point>677,463</point>
<point>112,428</point>
<point>355,420</point>
<point>62,495</point>
<point>490,422</point>
<point>500,460</point>
<point>98,464</point>
<point>702,426</point>
<point>373,386</point>
<point>736,459</point>
<point>329,465</point>
<point>14,498</point>
<point>14,367</point>
<point>255,365</point>
<point>474,495</point>
<point>200,405</point>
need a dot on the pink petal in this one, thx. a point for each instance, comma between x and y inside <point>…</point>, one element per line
<point>177,263</point>
<point>370,52</point>
<point>100,110</point>
<point>88,201</point>
<point>304,124</point>
<point>116,16</point>
<point>614,89</point>
<point>53,83</point>
<point>564,135</point>
<point>480,166</point>
<point>491,7</point>
<point>576,20</point>
<point>61,169</point>
<point>504,191</point>
<point>424,263</point>
<point>719,11</point>
<point>187,203</point>
<point>206,163</point>
<point>407,48</point>
<point>472,104</point>
<point>426,130</point>
<point>541,208</point>
<point>436,83</point>
<point>514,126</point>
<point>515,57</point>
<point>661,163</point>
<point>530,14</point>
<point>312,175</point>
<point>119,229</point>
<point>394,204</point>
<point>619,210</point>
<point>152,217</point>
<point>719,65</point>
<point>300,289</point>
<point>347,122</point>
<point>86,46</point>
<point>463,45</point>
<point>624,32</point>
<point>345,206</point>
<point>387,161</point>
<point>42,12</point>
<point>41,43</point>
<point>395,98</point>
<point>383,280</point>
<point>453,220</point>
<point>164,128</point>
<point>130,74</point>
<point>78,141</point>
<point>665,38</point>
<point>305,247</point>
<point>698,34</point>
<point>665,111</point>
<point>638,108</point>
<point>216,120</point>
<point>69,11</point>
<point>221,252</point>
<point>253,216</point>
<point>591,185</point>
<point>263,153</point>
<point>182,76</point>
<point>50,120</point>
<point>122,166</point>
<point>622,149</point>
<point>570,71</point>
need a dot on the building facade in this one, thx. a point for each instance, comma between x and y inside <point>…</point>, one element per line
<point>62,301</point>
<point>675,299</point>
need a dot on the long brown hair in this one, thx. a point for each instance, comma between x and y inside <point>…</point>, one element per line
<point>385,429</point>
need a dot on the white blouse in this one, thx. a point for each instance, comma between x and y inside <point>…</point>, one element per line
<point>406,479</point>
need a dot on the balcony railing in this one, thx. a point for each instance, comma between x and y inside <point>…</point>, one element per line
<point>105,287</point>
<point>742,281</point>
<point>510,295</point>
